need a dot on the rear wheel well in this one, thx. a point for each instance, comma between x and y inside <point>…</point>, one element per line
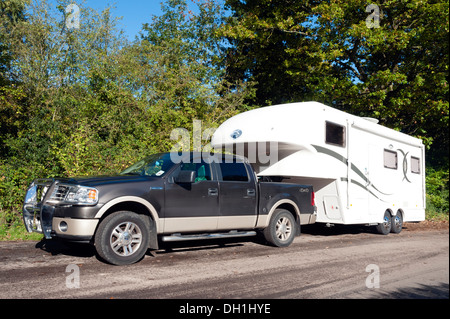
<point>289,208</point>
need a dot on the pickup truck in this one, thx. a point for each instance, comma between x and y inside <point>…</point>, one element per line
<point>164,198</point>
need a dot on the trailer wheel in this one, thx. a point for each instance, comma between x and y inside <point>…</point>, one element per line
<point>122,238</point>
<point>281,229</point>
<point>397,223</point>
<point>385,227</point>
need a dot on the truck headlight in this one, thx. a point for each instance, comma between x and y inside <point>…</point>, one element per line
<point>74,194</point>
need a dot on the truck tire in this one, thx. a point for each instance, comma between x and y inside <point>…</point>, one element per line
<point>385,227</point>
<point>397,223</point>
<point>122,238</point>
<point>281,229</point>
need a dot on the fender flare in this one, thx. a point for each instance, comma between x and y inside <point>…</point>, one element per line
<point>263,223</point>
<point>122,199</point>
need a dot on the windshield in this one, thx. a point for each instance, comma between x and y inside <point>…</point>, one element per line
<point>154,165</point>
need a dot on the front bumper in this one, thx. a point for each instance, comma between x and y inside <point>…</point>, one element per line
<point>73,228</point>
<point>38,215</point>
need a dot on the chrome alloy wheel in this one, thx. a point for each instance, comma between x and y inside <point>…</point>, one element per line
<point>385,226</point>
<point>126,239</point>
<point>397,221</point>
<point>387,222</point>
<point>283,228</point>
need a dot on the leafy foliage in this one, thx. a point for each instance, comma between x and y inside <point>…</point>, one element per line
<point>437,192</point>
<point>88,101</point>
<point>325,51</point>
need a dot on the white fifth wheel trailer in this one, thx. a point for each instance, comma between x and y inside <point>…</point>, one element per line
<point>362,172</point>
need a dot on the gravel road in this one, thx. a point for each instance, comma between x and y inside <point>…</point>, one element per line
<point>340,262</point>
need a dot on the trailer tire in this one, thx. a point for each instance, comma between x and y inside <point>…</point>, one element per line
<point>397,223</point>
<point>122,238</point>
<point>282,228</point>
<point>385,227</point>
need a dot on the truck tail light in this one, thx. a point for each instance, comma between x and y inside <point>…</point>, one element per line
<point>313,202</point>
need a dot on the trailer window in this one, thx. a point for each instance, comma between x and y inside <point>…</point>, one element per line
<point>390,159</point>
<point>415,165</point>
<point>334,134</point>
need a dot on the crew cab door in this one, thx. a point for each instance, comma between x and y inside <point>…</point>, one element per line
<point>191,207</point>
<point>237,196</point>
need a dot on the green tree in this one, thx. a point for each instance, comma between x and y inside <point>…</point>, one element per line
<point>270,43</point>
<point>11,96</point>
<point>325,51</point>
<point>397,72</point>
<point>83,101</point>
<point>179,55</point>
<point>11,12</point>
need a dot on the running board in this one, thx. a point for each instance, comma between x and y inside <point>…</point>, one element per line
<point>231,234</point>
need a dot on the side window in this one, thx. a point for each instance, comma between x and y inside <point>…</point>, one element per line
<point>203,170</point>
<point>415,165</point>
<point>334,134</point>
<point>234,172</point>
<point>390,159</point>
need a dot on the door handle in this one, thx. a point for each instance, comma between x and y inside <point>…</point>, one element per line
<point>213,192</point>
<point>251,192</point>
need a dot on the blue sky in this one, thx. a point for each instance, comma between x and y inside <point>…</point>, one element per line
<point>133,12</point>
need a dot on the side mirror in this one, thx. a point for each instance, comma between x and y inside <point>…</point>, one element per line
<point>186,177</point>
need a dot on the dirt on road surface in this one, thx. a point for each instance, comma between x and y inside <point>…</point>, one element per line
<point>338,262</point>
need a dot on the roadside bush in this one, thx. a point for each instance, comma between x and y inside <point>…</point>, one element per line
<point>14,180</point>
<point>437,186</point>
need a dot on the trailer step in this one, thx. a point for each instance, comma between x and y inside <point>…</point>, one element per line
<point>230,234</point>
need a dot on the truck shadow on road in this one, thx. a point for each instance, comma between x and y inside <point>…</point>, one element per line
<point>335,230</point>
<point>437,291</point>
<point>199,245</point>
<point>56,247</point>
<point>210,244</point>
